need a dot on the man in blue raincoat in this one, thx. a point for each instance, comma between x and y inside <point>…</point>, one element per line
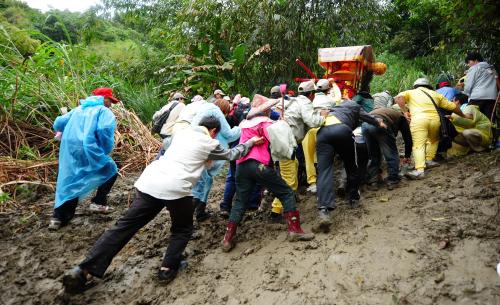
<point>84,161</point>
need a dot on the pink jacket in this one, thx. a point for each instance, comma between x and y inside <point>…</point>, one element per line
<point>256,127</point>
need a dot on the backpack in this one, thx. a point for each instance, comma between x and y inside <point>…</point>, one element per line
<point>282,141</point>
<point>161,119</point>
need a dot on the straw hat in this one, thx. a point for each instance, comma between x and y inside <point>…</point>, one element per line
<point>260,104</point>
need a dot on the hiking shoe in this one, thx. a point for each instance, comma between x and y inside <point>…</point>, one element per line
<point>354,203</point>
<point>312,188</point>
<point>74,281</point>
<point>166,276</point>
<point>324,222</point>
<point>354,199</point>
<point>98,208</point>
<point>224,214</point>
<point>392,184</point>
<point>201,211</point>
<point>372,186</point>
<point>431,164</point>
<point>54,224</point>
<point>416,174</point>
<point>324,216</point>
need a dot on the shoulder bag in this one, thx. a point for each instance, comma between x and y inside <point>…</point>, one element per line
<point>447,130</point>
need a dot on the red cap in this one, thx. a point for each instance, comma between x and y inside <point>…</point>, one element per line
<point>443,84</point>
<point>106,92</point>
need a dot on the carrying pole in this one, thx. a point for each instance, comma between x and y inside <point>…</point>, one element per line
<point>308,71</point>
<point>282,91</point>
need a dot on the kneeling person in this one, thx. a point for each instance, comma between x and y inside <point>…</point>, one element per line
<point>474,133</point>
<point>166,182</point>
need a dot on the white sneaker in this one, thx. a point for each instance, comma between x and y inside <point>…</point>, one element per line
<point>431,164</point>
<point>416,174</point>
<point>97,208</point>
<point>312,188</point>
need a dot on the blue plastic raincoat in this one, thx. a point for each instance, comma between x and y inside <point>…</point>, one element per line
<point>87,140</point>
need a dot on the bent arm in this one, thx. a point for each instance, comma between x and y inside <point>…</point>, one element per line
<point>401,101</point>
<point>368,118</point>
<point>310,118</point>
<point>404,128</point>
<point>239,151</point>
<point>230,134</point>
<point>61,121</point>
<point>469,81</point>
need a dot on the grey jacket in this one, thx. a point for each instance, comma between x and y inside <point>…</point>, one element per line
<point>480,83</point>
<point>300,115</point>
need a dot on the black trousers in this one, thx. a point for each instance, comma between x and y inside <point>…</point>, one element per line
<point>362,161</point>
<point>334,139</point>
<point>66,211</point>
<point>144,208</point>
<point>485,106</point>
<point>250,173</point>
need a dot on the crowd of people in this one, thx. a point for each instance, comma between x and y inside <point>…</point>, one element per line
<point>320,136</point>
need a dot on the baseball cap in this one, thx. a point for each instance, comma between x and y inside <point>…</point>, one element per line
<point>106,92</point>
<point>307,86</point>
<point>218,91</point>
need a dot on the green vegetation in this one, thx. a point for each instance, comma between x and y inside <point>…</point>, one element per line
<point>147,49</point>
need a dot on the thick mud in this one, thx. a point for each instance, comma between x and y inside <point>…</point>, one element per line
<point>432,241</point>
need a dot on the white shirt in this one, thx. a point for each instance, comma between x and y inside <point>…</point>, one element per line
<point>322,101</point>
<point>167,127</point>
<point>188,113</point>
<point>177,171</point>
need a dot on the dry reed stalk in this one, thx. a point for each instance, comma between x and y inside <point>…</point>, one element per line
<point>135,147</point>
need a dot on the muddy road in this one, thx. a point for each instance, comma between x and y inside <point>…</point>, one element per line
<point>433,241</point>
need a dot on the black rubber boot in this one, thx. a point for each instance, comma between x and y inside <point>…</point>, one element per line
<point>74,281</point>
<point>201,212</point>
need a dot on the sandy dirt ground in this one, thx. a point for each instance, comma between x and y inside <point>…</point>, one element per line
<point>432,241</point>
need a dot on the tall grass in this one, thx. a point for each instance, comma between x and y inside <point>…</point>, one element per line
<point>143,99</point>
<point>34,88</point>
<point>401,73</point>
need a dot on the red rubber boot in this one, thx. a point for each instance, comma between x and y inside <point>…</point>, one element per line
<point>295,232</point>
<point>228,241</point>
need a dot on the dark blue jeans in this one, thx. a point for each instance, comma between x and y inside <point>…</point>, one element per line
<point>252,172</point>
<point>230,191</point>
<point>381,142</point>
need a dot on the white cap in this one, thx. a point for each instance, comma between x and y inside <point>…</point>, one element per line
<point>307,86</point>
<point>197,98</point>
<point>227,98</point>
<point>275,89</point>
<point>178,96</point>
<point>421,82</point>
<point>322,85</point>
<point>218,91</point>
